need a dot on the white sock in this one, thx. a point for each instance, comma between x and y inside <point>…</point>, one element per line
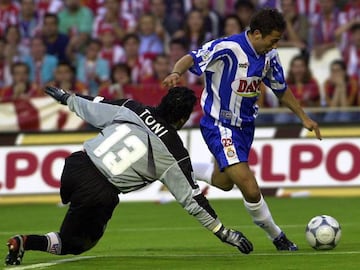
<point>54,243</point>
<point>261,216</point>
<point>203,171</point>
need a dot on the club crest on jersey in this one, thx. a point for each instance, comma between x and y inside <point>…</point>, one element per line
<point>204,54</point>
<point>247,87</point>
<point>230,152</point>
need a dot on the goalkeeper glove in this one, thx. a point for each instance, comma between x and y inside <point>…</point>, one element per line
<point>235,238</point>
<point>58,94</point>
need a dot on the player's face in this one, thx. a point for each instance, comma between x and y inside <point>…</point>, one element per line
<point>264,44</point>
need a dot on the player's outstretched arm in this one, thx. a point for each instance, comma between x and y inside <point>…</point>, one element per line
<point>99,115</point>
<point>58,94</point>
<point>187,193</point>
<point>287,98</point>
<point>180,67</point>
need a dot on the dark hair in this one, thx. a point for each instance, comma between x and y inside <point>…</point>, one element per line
<point>51,15</point>
<point>67,64</point>
<point>244,4</point>
<point>307,76</point>
<point>95,41</point>
<point>180,41</point>
<point>342,64</point>
<point>19,64</point>
<point>177,104</point>
<point>236,18</point>
<point>202,35</point>
<point>355,27</point>
<point>266,21</point>
<point>131,36</point>
<point>160,56</point>
<point>119,66</point>
<point>13,26</point>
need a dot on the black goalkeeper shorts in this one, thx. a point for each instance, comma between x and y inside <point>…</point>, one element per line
<point>92,201</point>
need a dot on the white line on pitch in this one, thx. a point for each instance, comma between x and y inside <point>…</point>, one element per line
<point>180,228</point>
<point>53,263</point>
<point>314,253</point>
<point>48,264</point>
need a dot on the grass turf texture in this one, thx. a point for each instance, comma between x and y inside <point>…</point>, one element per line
<point>151,236</point>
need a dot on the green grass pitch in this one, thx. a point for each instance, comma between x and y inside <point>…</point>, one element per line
<point>153,236</point>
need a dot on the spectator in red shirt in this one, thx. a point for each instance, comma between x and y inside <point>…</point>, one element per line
<point>352,53</point>
<point>9,13</point>
<point>153,89</point>
<point>48,6</point>
<point>135,7</point>
<point>96,6</point>
<point>328,20</point>
<point>65,78</point>
<point>340,91</point>
<point>352,9</point>
<point>21,88</point>
<point>14,50</point>
<point>29,21</point>
<point>114,18</point>
<point>304,87</point>
<point>5,76</point>
<point>302,83</point>
<point>120,86</point>
<point>139,65</point>
<point>110,51</point>
<point>308,8</point>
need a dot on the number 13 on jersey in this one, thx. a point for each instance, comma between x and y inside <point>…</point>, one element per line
<point>117,162</point>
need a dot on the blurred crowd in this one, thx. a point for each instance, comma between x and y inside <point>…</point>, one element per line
<point>125,48</point>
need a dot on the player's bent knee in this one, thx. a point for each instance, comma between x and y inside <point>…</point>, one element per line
<point>223,185</point>
<point>226,187</point>
<point>77,246</point>
<point>252,196</point>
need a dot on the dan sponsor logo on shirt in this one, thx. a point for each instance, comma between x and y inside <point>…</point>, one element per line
<point>247,87</point>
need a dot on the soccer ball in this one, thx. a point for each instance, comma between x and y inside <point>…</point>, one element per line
<point>323,232</point>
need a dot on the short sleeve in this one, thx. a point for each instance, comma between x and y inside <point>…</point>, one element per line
<point>204,55</point>
<point>275,78</point>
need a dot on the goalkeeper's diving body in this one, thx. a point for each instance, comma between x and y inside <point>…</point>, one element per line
<point>136,146</point>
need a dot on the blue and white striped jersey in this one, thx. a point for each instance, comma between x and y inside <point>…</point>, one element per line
<point>233,73</point>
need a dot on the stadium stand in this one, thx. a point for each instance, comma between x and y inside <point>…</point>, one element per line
<point>125,32</point>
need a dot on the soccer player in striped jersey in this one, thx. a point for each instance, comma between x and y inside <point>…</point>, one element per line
<point>234,68</point>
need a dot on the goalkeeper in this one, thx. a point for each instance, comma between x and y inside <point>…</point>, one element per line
<point>137,145</point>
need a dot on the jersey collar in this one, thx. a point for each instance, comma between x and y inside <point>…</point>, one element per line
<point>250,45</point>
